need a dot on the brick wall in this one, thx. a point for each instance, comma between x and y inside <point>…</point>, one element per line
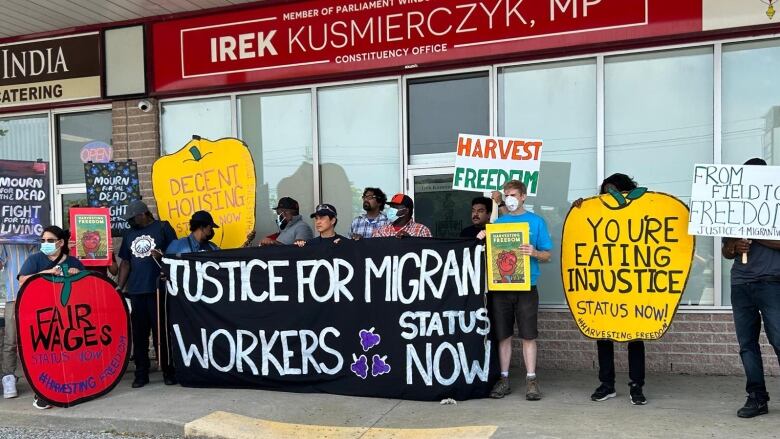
<point>136,135</point>
<point>696,343</point>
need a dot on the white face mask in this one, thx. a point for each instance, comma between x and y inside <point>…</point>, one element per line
<point>392,214</point>
<point>281,221</point>
<point>512,203</point>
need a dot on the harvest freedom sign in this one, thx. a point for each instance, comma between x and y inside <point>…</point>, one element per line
<point>485,163</point>
<point>392,318</point>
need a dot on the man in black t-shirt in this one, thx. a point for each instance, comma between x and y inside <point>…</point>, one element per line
<point>755,296</point>
<point>481,208</point>
<point>142,248</point>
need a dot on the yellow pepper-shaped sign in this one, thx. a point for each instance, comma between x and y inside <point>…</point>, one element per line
<point>215,176</point>
<point>625,261</point>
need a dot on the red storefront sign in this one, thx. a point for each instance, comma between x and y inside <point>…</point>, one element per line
<point>321,38</point>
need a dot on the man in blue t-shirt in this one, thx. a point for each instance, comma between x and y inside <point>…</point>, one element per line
<point>142,248</point>
<point>506,308</point>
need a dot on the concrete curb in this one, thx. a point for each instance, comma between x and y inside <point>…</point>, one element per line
<point>224,425</point>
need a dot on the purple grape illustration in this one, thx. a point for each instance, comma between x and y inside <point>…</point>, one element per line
<point>368,339</point>
<point>379,365</point>
<point>360,366</point>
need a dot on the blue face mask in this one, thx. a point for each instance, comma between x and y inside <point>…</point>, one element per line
<point>391,213</point>
<point>48,248</point>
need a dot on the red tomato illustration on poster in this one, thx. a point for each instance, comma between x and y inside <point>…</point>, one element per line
<point>73,336</point>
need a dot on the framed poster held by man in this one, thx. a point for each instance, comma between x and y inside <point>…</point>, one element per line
<point>508,268</point>
<point>91,234</point>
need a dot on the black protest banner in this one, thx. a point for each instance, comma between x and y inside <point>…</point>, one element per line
<point>113,185</point>
<point>393,318</point>
<point>24,200</point>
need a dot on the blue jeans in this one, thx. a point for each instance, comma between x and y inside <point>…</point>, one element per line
<point>751,303</point>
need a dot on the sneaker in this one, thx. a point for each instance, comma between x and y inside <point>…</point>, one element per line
<point>637,397</point>
<point>603,393</point>
<point>9,387</point>
<point>752,408</point>
<point>501,389</point>
<point>40,404</point>
<point>532,392</point>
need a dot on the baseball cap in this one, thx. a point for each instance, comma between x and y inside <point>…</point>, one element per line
<point>136,207</point>
<point>203,217</point>
<point>287,203</point>
<point>403,200</point>
<point>324,209</point>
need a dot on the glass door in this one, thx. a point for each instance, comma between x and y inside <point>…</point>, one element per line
<point>65,198</point>
<point>445,211</point>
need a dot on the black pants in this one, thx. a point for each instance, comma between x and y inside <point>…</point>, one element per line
<point>636,362</point>
<point>144,319</point>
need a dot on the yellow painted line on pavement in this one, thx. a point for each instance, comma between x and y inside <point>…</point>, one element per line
<point>224,425</point>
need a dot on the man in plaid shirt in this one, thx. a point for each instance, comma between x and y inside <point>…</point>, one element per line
<point>373,203</point>
<point>400,216</point>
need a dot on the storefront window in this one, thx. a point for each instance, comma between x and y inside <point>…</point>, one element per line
<point>208,118</point>
<point>751,112</point>
<point>359,145</point>
<point>77,135</point>
<point>555,103</point>
<point>658,124</point>
<point>278,130</point>
<point>440,109</point>
<point>24,138</point>
<point>21,138</point>
<point>446,212</point>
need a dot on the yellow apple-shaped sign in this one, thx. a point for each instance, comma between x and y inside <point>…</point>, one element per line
<point>215,176</point>
<point>625,261</point>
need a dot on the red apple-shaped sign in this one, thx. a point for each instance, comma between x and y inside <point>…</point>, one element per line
<point>73,336</point>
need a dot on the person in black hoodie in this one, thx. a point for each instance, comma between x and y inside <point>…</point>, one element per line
<point>606,348</point>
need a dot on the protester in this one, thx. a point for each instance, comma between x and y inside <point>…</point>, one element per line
<point>12,256</point>
<point>325,220</point>
<point>52,259</point>
<point>520,306</point>
<point>291,226</point>
<point>399,214</point>
<point>606,348</point>
<point>481,208</point>
<point>201,233</point>
<point>142,247</point>
<point>373,203</point>
<point>755,295</point>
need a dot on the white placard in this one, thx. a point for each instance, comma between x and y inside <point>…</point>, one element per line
<point>735,201</point>
<point>485,163</point>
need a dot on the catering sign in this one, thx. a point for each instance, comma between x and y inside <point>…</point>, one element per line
<point>50,70</point>
<point>330,37</point>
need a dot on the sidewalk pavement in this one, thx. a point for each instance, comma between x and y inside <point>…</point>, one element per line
<point>679,407</point>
